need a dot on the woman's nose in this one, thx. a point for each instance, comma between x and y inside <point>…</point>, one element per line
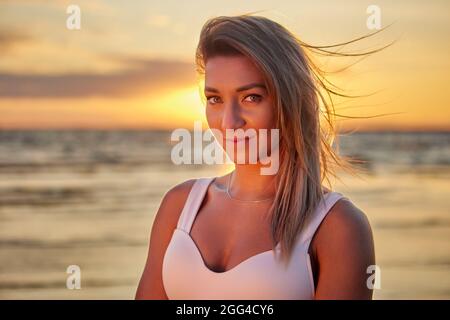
<point>231,117</point>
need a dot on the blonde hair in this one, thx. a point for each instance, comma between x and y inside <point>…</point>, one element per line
<point>295,84</point>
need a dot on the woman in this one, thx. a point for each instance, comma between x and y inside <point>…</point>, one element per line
<point>246,235</point>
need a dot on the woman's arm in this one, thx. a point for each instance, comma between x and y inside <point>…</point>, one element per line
<point>344,249</point>
<point>166,219</point>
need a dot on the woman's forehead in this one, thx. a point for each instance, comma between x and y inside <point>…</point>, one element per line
<point>231,71</point>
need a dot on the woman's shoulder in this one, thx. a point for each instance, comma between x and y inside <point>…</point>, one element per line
<point>345,218</point>
<point>345,228</point>
<point>180,190</point>
<point>176,195</point>
<point>346,213</point>
<point>344,250</point>
<point>174,199</point>
<point>172,204</point>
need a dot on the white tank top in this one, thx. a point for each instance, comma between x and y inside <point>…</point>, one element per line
<point>259,277</point>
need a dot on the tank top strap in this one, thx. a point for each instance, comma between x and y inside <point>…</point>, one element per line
<point>193,203</point>
<point>314,221</point>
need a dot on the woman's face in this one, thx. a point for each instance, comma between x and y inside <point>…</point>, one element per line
<point>237,98</point>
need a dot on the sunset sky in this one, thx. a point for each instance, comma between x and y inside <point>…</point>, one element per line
<point>131,65</point>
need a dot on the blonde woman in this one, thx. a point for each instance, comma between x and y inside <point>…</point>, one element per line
<point>246,235</point>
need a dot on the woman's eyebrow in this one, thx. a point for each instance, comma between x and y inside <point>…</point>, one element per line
<point>243,88</point>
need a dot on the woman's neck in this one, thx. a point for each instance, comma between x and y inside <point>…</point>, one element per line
<point>247,183</point>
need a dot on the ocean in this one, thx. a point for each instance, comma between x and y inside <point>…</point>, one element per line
<point>88,198</point>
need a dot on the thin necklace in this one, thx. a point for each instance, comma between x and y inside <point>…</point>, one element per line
<point>231,197</point>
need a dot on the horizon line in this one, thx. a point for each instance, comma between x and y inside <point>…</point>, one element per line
<point>149,128</point>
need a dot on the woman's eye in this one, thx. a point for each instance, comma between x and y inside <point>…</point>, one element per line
<point>253,98</point>
<point>213,99</point>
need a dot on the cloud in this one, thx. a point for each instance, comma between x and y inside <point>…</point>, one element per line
<point>162,21</point>
<point>159,21</point>
<point>9,39</point>
<point>144,76</point>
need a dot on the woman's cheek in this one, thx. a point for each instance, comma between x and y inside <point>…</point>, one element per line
<point>211,119</point>
<point>270,116</point>
<point>264,117</point>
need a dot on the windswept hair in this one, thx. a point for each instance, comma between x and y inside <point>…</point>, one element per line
<point>298,88</point>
